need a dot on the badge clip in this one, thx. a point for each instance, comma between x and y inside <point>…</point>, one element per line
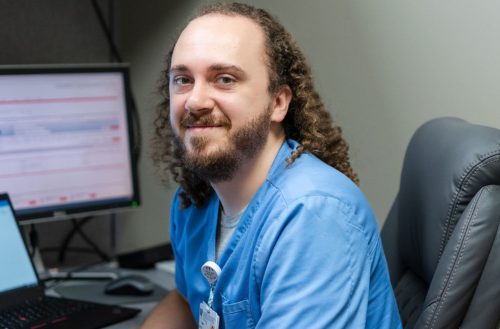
<point>211,271</point>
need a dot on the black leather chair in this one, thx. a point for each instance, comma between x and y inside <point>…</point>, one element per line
<point>442,238</point>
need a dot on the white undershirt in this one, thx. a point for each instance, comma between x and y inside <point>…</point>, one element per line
<point>225,229</point>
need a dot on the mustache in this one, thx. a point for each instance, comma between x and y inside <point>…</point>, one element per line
<point>208,119</point>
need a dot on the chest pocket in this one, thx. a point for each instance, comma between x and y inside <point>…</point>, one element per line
<point>238,315</point>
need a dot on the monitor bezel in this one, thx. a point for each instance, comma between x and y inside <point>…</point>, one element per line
<point>102,209</point>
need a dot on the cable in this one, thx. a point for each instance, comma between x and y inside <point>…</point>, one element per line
<point>112,228</point>
<point>103,256</point>
<point>136,130</point>
<point>77,228</point>
<point>111,20</point>
<point>106,31</point>
<point>67,240</point>
<point>33,240</point>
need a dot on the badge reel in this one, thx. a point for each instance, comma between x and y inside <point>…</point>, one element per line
<point>209,319</point>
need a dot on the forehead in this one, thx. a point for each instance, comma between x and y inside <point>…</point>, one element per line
<point>216,38</point>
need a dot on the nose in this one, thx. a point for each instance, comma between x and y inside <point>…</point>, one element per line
<point>199,99</point>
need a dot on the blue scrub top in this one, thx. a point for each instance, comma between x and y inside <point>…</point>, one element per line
<point>306,254</point>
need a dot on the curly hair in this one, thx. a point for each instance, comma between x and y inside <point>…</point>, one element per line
<point>307,121</point>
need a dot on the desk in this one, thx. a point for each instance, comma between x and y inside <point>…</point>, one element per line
<point>159,277</point>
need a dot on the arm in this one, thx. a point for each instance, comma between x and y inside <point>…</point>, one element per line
<point>317,274</point>
<point>172,312</point>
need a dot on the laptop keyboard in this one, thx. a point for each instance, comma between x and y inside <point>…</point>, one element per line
<point>48,309</point>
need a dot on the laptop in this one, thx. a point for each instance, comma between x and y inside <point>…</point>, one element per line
<point>23,303</point>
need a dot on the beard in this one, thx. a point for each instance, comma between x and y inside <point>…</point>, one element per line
<point>220,165</point>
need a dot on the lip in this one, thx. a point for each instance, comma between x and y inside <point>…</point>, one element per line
<point>202,129</point>
<point>203,126</point>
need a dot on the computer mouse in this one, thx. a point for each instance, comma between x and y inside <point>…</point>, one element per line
<point>132,285</point>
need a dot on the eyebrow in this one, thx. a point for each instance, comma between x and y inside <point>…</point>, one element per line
<point>226,67</point>
<point>212,68</point>
<point>179,68</point>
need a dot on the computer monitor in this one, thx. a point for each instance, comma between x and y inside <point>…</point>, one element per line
<point>66,141</point>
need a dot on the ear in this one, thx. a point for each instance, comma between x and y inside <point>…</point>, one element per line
<point>280,104</point>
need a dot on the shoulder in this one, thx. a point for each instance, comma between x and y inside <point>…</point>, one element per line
<point>310,177</point>
<point>180,218</point>
<point>316,190</point>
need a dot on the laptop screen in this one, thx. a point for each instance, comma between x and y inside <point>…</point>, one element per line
<point>16,270</point>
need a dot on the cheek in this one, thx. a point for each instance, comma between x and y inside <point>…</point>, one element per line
<point>176,113</point>
<point>243,105</point>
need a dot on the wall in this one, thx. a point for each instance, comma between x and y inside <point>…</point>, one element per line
<point>52,32</point>
<point>383,68</point>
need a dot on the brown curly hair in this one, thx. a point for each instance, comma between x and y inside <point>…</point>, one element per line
<point>307,121</point>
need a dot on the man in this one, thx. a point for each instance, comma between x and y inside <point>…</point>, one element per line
<point>266,188</point>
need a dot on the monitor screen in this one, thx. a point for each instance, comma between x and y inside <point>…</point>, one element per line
<point>16,270</point>
<point>66,141</point>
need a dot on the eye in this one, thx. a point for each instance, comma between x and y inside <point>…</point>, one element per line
<point>182,80</point>
<point>225,80</point>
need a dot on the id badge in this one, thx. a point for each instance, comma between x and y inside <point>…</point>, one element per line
<point>209,319</point>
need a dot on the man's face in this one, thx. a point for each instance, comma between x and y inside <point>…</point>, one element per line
<point>219,104</point>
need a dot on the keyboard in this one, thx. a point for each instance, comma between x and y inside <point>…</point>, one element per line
<point>40,312</point>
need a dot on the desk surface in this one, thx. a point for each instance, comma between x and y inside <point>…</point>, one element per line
<point>159,277</point>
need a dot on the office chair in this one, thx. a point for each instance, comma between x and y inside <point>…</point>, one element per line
<point>441,237</point>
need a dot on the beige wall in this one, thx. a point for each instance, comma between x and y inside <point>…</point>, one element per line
<point>383,68</point>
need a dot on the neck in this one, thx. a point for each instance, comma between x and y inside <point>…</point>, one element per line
<point>237,193</point>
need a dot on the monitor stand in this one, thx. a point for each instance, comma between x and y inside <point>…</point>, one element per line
<point>38,262</point>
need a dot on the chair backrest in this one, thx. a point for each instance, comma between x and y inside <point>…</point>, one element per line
<point>441,235</point>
